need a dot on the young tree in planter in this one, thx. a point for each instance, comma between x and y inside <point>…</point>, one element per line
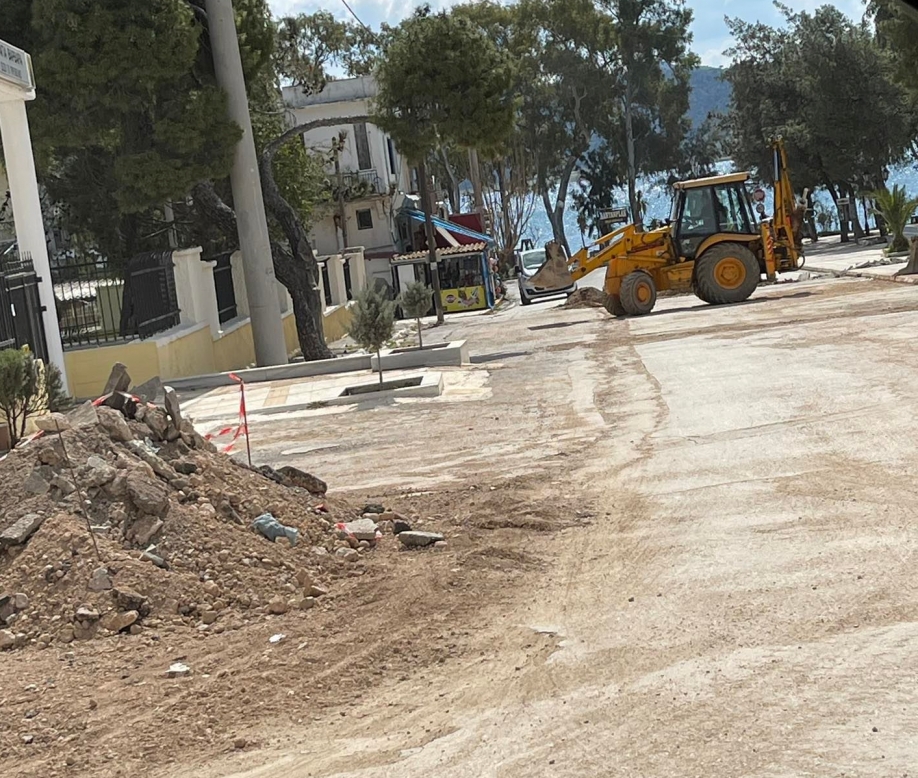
<point>373,321</point>
<point>27,387</point>
<point>415,302</point>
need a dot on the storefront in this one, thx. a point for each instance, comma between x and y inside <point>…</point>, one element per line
<point>466,282</point>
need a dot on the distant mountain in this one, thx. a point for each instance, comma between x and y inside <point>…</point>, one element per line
<point>709,93</point>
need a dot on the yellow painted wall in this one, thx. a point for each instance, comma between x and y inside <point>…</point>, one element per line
<point>88,368</point>
<point>290,336</point>
<point>235,350</point>
<point>336,323</point>
<point>191,353</point>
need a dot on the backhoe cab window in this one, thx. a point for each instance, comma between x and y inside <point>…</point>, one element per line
<point>698,214</point>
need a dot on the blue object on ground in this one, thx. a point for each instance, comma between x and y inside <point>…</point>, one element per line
<point>272,529</point>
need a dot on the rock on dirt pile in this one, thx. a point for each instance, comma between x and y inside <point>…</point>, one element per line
<point>172,524</point>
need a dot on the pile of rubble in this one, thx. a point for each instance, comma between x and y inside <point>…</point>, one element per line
<point>122,518</point>
<point>587,297</point>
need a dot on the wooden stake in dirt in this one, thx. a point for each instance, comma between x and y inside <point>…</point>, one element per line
<point>84,502</point>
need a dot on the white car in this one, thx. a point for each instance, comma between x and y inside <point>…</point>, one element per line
<point>529,262</point>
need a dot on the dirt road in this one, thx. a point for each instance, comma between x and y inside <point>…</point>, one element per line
<point>743,600</point>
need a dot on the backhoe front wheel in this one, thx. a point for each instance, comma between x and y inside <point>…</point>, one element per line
<point>638,293</point>
<point>726,273</point>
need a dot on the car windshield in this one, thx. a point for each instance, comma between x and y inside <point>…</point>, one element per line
<point>533,260</point>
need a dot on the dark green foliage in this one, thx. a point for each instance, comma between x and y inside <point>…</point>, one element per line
<point>442,80</point>
<point>415,301</point>
<point>27,386</point>
<point>373,320</point>
<point>897,209</point>
<point>826,86</point>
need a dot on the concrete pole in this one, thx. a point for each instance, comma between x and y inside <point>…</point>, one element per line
<point>260,282</point>
<point>30,229</point>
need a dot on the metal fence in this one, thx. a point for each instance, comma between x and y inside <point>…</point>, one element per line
<point>98,304</point>
<point>223,286</point>
<point>20,307</point>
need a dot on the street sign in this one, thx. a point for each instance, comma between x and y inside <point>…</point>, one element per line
<point>16,66</point>
<point>842,201</point>
<point>759,195</point>
<point>613,215</point>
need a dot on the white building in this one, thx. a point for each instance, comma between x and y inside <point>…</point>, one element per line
<point>375,175</point>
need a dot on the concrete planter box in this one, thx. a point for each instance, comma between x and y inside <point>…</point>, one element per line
<point>348,364</point>
<point>453,354</point>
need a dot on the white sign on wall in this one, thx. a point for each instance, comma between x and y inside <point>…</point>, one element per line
<point>15,66</point>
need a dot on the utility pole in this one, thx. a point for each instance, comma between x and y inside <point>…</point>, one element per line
<point>257,264</point>
<point>431,239</point>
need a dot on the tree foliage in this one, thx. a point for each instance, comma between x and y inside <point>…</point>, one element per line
<point>373,320</point>
<point>415,301</point>
<point>824,84</point>
<point>441,80</point>
<point>897,209</point>
<point>27,386</point>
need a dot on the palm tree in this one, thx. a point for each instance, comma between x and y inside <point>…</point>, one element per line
<point>896,208</point>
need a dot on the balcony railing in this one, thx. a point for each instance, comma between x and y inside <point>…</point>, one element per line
<point>361,184</point>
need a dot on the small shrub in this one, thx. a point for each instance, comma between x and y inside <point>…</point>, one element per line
<point>415,302</point>
<point>373,321</point>
<point>27,386</point>
<point>896,208</point>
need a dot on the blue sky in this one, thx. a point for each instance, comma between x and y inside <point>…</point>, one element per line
<point>710,32</point>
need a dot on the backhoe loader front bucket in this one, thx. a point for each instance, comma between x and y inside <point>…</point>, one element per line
<point>554,273</point>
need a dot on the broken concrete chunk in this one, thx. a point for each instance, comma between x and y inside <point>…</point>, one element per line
<point>116,622</point>
<point>149,391</point>
<point>100,580</point>
<point>128,600</point>
<point>21,530</point>
<point>419,539</point>
<point>97,473</point>
<point>118,380</point>
<point>158,421</point>
<point>173,407</point>
<point>373,508</point>
<point>362,529</point>
<point>296,478</point>
<point>84,416</point>
<point>7,640</point>
<point>399,526</point>
<point>85,613</point>
<point>151,497</point>
<point>145,529</point>
<point>52,453</point>
<point>114,424</point>
<point>36,483</point>
<point>178,670</point>
<point>52,422</point>
<point>278,605</point>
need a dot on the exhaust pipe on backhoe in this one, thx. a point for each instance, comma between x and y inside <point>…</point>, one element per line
<point>554,273</point>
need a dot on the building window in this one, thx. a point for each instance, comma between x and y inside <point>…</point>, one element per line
<point>391,148</point>
<point>363,146</point>
<point>365,219</point>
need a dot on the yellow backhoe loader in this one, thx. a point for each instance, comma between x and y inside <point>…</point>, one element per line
<point>718,244</point>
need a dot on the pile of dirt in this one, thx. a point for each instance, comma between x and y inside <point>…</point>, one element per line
<point>172,540</point>
<point>587,297</point>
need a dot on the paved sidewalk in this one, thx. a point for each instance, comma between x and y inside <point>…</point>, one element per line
<point>831,256</point>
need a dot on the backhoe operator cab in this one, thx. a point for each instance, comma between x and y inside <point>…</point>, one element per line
<point>714,246</point>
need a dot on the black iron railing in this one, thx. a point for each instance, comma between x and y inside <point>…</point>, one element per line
<point>21,322</point>
<point>98,304</point>
<point>223,286</point>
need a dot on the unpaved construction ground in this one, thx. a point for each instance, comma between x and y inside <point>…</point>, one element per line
<point>677,545</point>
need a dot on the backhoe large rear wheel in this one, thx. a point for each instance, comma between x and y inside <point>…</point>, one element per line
<point>638,293</point>
<point>726,273</point>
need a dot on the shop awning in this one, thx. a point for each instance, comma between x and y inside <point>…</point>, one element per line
<point>461,235</point>
<point>452,251</point>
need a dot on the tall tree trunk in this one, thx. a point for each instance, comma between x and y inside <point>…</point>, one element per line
<point>555,212</point>
<point>455,194</point>
<point>342,211</point>
<point>507,229</point>
<point>841,210</point>
<point>475,175</point>
<point>420,336</point>
<point>431,239</point>
<point>632,165</point>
